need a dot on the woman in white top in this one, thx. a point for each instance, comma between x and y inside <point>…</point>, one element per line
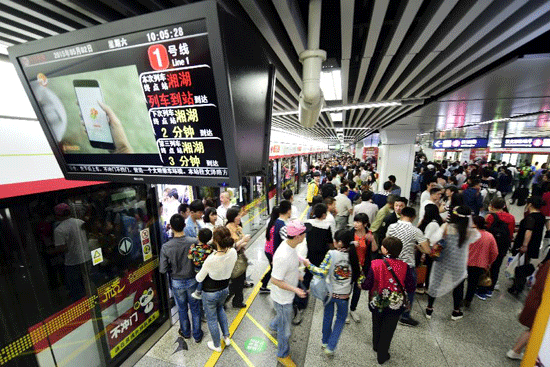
<point>450,270</point>
<point>211,219</point>
<point>215,274</point>
<point>430,224</point>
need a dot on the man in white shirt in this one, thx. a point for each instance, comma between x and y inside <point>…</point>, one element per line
<point>426,194</point>
<point>411,237</point>
<point>435,197</point>
<point>330,202</point>
<point>344,208</point>
<point>366,206</point>
<point>285,277</point>
<point>225,200</point>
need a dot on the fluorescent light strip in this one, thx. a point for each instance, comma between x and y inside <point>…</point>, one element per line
<point>345,108</point>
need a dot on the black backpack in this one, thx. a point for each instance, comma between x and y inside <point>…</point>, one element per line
<point>499,229</point>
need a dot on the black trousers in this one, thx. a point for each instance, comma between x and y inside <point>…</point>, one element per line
<point>473,278</point>
<point>267,276</point>
<point>236,287</point>
<point>522,273</point>
<point>495,271</point>
<point>458,295</point>
<point>355,297</point>
<point>383,328</point>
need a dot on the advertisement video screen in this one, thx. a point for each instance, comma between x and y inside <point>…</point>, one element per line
<point>141,104</point>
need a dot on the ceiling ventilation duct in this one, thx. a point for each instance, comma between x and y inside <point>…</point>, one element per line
<point>311,97</point>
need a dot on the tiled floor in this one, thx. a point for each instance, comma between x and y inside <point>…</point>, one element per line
<point>481,338</point>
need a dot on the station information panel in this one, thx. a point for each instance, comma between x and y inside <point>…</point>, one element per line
<point>152,98</point>
<point>140,103</point>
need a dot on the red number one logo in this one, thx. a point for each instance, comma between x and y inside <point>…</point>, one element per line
<point>158,57</point>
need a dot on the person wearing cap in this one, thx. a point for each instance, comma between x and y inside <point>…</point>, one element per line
<point>70,238</point>
<point>285,277</point>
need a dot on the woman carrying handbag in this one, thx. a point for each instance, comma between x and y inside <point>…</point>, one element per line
<point>238,276</point>
<point>450,270</point>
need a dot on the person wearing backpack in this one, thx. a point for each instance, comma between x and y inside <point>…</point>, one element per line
<point>341,267</point>
<point>481,254</point>
<point>502,226</point>
<point>488,195</point>
<point>388,281</point>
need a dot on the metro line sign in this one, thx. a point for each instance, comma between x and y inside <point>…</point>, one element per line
<point>460,143</point>
<point>524,142</point>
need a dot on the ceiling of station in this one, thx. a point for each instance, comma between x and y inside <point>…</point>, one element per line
<point>388,50</point>
<point>505,98</point>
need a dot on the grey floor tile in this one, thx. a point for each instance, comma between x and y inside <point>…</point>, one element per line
<point>154,362</point>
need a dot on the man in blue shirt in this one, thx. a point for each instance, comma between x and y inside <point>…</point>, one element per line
<point>192,223</point>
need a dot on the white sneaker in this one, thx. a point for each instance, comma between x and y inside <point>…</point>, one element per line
<point>497,287</point>
<point>355,316</point>
<point>513,355</point>
<point>211,345</point>
<point>348,320</point>
<point>227,341</point>
<point>196,295</point>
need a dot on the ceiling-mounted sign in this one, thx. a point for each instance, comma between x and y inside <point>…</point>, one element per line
<point>460,143</point>
<point>526,143</point>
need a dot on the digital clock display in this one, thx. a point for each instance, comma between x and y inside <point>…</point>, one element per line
<point>165,34</point>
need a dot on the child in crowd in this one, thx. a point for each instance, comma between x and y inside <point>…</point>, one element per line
<point>198,253</point>
<point>387,281</point>
<point>341,266</point>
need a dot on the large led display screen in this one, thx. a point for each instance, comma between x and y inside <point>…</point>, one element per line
<point>145,105</point>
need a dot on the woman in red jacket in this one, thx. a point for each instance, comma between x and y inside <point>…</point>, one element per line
<point>482,254</point>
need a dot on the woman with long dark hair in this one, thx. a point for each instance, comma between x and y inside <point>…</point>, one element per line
<point>341,266</point>
<point>430,224</point>
<point>215,275</point>
<point>237,284</point>
<point>366,248</point>
<point>450,270</point>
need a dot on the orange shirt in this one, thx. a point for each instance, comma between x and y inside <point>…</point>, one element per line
<point>361,248</point>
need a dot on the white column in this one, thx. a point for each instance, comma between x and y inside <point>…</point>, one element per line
<point>359,150</point>
<point>396,157</point>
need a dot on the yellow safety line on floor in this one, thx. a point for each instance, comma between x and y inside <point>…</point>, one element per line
<point>241,353</point>
<point>215,355</point>
<point>262,329</point>
<point>304,213</point>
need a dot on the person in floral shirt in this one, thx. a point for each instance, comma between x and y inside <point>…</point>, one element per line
<point>386,297</point>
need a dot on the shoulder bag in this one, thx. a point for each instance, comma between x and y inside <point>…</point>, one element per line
<point>406,302</point>
<point>319,286</point>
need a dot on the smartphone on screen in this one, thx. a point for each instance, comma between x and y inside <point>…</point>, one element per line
<point>88,95</point>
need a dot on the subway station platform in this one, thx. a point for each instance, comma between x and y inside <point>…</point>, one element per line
<point>489,328</point>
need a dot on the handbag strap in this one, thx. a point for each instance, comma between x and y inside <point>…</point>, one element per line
<point>396,279</point>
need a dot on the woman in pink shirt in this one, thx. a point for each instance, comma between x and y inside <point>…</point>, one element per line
<point>482,253</point>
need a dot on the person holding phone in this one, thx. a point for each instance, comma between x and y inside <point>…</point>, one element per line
<point>100,123</point>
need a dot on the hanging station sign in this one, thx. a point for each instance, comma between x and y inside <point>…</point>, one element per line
<point>460,143</point>
<point>526,142</point>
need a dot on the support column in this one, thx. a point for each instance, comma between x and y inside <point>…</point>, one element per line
<point>396,157</point>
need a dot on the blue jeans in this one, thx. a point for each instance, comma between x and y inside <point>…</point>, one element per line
<point>332,334</point>
<point>215,314</point>
<point>182,289</point>
<point>281,323</point>
<point>407,314</point>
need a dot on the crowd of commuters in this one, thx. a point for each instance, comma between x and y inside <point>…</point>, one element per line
<point>361,233</point>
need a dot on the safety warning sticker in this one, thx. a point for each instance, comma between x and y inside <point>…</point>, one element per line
<point>146,244</point>
<point>97,256</point>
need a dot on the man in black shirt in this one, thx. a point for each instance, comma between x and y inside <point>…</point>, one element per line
<point>174,260</point>
<point>527,242</point>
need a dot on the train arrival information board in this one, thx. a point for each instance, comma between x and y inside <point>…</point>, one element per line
<point>141,104</point>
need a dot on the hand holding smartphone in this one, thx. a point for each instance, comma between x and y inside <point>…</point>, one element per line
<point>89,96</point>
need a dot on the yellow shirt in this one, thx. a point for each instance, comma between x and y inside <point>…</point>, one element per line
<point>312,190</point>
